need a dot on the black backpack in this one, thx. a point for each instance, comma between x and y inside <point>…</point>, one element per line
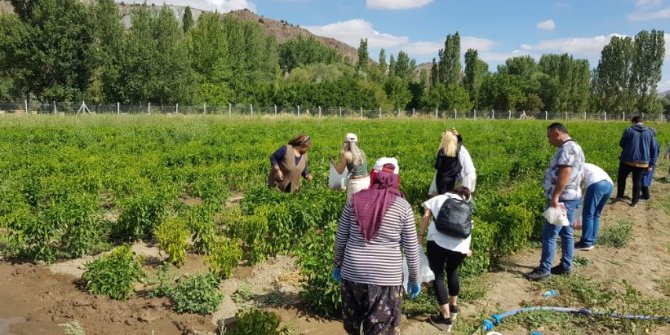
<point>455,218</point>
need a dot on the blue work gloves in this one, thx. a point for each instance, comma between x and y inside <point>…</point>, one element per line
<point>336,275</point>
<point>414,290</point>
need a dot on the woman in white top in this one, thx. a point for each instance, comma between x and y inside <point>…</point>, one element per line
<point>444,251</point>
<point>599,187</point>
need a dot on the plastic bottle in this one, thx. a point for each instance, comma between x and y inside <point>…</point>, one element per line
<point>549,294</point>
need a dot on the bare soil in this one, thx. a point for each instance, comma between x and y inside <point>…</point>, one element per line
<point>36,298</point>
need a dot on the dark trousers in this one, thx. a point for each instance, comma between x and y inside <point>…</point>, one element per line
<point>624,171</point>
<point>438,258</point>
<point>444,183</point>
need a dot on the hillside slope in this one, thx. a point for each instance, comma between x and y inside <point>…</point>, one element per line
<point>280,29</point>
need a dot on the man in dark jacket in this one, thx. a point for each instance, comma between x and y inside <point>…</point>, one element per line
<point>636,143</point>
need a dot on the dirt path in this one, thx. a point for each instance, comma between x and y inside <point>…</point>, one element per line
<point>35,299</point>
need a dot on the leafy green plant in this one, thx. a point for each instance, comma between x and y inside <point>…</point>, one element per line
<point>172,236</point>
<point>196,294</point>
<point>253,231</point>
<point>617,235</point>
<point>161,283</point>
<point>200,222</point>
<point>141,214</point>
<point>114,274</point>
<point>257,322</point>
<point>224,257</point>
<point>318,289</point>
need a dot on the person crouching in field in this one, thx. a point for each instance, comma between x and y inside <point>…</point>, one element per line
<point>446,249</point>
<point>289,163</point>
<point>353,158</point>
<point>377,225</point>
<point>599,187</point>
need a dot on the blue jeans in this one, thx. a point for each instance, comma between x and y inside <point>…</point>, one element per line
<point>550,234</point>
<point>595,199</point>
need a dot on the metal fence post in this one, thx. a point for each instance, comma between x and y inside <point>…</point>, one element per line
<point>118,109</point>
<point>380,112</point>
<point>204,108</point>
<point>413,112</point>
<point>361,111</point>
<point>566,116</point>
<point>251,109</point>
<point>149,108</point>
<point>509,114</point>
<point>340,111</point>
<point>623,116</point>
<point>55,112</point>
<point>436,111</point>
<point>230,109</point>
<point>176,108</point>
<point>584,115</point>
<point>605,116</point>
<point>546,115</point>
<point>275,110</point>
<point>493,114</point>
<point>25,104</point>
<point>475,115</point>
<point>319,111</point>
<point>455,115</point>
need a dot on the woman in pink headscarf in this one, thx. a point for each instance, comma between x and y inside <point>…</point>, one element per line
<point>376,226</point>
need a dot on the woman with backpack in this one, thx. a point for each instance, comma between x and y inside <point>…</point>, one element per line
<point>449,240</point>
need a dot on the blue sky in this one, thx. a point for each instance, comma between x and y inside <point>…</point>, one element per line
<point>497,29</point>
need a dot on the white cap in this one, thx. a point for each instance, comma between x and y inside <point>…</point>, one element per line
<point>350,137</point>
<point>379,164</point>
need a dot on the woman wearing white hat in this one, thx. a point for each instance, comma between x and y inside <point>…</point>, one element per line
<point>353,158</point>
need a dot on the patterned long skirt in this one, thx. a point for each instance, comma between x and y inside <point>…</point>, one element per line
<point>372,309</point>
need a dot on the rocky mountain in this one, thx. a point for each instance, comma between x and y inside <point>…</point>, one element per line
<point>283,31</point>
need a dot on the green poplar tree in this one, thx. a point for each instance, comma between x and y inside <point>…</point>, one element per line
<point>450,60</point>
<point>363,57</point>
<point>187,19</point>
<point>475,72</point>
<point>647,64</point>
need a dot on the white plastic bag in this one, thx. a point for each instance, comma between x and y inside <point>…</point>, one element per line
<point>337,181</point>
<point>578,217</point>
<point>557,215</point>
<point>426,275</point>
<point>432,190</point>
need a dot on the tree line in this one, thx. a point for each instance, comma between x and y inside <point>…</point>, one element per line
<point>65,50</point>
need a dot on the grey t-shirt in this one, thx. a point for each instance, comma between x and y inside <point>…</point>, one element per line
<point>568,154</point>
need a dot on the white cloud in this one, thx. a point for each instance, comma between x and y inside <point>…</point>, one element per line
<point>352,31</point>
<point>422,48</point>
<point>589,46</point>
<point>650,15</point>
<point>494,58</point>
<point>479,44</point>
<point>640,3</point>
<point>648,10</point>
<point>396,4</point>
<point>547,25</point>
<point>220,5</point>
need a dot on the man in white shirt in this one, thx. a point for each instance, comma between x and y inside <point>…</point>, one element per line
<point>599,187</point>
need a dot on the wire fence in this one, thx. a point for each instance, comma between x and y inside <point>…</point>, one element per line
<point>78,108</point>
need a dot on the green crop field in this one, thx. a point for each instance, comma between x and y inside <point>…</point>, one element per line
<point>72,186</point>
